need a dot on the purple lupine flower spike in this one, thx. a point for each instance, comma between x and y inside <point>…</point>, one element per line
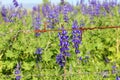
<point>118,78</point>
<point>17,72</point>
<point>66,9</point>
<point>4,14</point>
<point>80,58</point>
<point>15,3</point>
<point>76,39</point>
<point>61,58</point>
<point>38,51</point>
<point>18,77</point>
<point>114,69</point>
<point>36,19</point>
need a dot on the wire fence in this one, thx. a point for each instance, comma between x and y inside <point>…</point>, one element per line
<point>52,30</point>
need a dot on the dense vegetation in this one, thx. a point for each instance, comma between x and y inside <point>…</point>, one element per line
<point>64,55</point>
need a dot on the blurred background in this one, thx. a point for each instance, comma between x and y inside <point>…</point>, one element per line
<point>31,3</point>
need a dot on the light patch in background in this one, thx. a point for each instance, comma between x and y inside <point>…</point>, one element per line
<point>31,3</point>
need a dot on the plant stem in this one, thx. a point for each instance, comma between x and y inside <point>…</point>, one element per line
<point>117,41</point>
<point>65,69</point>
<point>64,73</point>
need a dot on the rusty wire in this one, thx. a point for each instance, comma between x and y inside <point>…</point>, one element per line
<point>52,30</point>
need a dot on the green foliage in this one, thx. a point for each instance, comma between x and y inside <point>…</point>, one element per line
<point>45,1</point>
<point>96,44</point>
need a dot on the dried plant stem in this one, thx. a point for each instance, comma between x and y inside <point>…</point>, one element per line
<point>64,73</point>
<point>117,41</point>
<point>65,69</point>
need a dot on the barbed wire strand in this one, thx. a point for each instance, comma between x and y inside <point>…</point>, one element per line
<point>46,30</point>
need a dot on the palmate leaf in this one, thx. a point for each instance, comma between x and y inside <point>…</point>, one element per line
<point>100,46</point>
<point>9,64</point>
<point>28,65</point>
<point>16,45</point>
<point>118,56</point>
<point>30,50</point>
<point>47,56</point>
<point>112,49</point>
<point>115,57</point>
<point>11,54</point>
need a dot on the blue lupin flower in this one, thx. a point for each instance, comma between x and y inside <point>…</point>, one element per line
<point>114,69</point>
<point>38,51</point>
<point>81,2</point>
<point>4,14</point>
<point>64,42</point>
<point>45,10</point>
<point>56,14</point>
<point>17,72</point>
<point>53,17</point>
<point>66,9</point>
<point>83,9</point>
<point>106,6</point>
<point>66,18</point>
<point>36,20</point>
<point>61,58</point>
<point>15,3</point>
<point>80,58</point>
<point>113,3</point>
<point>76,39</point>
<point>18,77</point>
<point>118,78</point>
<point>92,2</point>
<point>37,25</point>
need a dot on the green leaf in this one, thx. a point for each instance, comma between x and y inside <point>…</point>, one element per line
<point>112,49</point>
<point>10,54</point>
<point>47,56</point>
<point>9,64</point>
<point>0,66</point>
<point>28,65</point>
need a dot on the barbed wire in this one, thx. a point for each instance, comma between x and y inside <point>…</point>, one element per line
<point>46,30</point>
<point>81,28</point>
